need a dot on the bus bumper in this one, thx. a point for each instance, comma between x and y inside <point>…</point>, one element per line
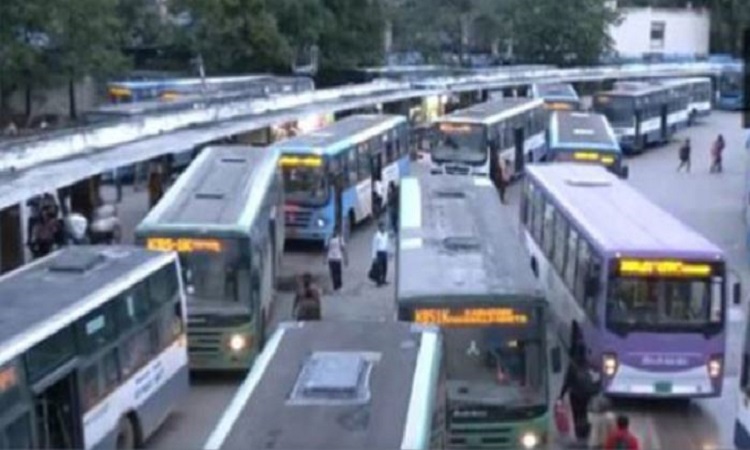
<point>498,435</point>
<point>634,383</point>
<point>210,349</point>
<point>307,234</point>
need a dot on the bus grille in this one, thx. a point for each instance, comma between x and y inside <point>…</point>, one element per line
<point>481,436</point>
<point>457,170</point>
<point>204,342</point>
<point>297,219</point>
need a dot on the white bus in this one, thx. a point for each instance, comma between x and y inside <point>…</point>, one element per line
<point>340,385</point>
<point>474,140</point>
<point>92,348</point>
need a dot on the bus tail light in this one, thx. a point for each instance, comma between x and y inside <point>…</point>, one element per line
<point>609,364</point>
<point>714,366</point>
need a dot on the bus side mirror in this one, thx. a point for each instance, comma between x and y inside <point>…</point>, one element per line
<point>556,359</point>
<point>625,173</point>
<point>737,293</point>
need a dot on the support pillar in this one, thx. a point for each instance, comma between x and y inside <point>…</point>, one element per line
<point>11,239</point>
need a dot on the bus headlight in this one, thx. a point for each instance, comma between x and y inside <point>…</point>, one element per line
<point>609,364</point>
<point>529,440</point>
<point>320,223</point>
<point>714,366</point>
<point>237,342</point>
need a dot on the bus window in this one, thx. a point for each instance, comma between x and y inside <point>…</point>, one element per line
<point>50,354</point>
<point>18,433</point>
<point>97,329</point>
<point>363,162</point>
<point>90,386</point>
<point>214,277</point>
<point>570,270</point>
<point>162,286</point>
<point>352,167</point>
<point>561,240</point>
<point>538,222</point>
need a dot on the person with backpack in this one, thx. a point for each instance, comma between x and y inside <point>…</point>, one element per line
<point>621,438</point>
<point>580,387</point>
<point>307,302</point>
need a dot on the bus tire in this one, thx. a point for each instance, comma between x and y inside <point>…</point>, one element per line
<point>534,267</point>
<point>126,434</point>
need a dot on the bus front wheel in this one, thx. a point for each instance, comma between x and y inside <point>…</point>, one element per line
<point>126,434</point>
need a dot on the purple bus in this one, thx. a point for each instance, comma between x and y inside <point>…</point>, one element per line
<point>642,294</point>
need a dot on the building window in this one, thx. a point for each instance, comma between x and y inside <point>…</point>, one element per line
<point>657,35</point>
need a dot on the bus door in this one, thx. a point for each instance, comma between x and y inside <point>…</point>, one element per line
<point>376,171</point>
<point>637,140</point>
<point>664,120</point>
<point>518,144</point>
<point>58,412</point>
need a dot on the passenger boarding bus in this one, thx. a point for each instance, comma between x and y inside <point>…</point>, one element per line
<point>340,385</point>
<point>473,140</point>
<point>557,96</point>
<point>92,348</point>
<point>586,138</point>
<point>223,217</point>
<point>460,266</point>
<point>329,173</point>
<point>640,114</point>
<point>643,293</point>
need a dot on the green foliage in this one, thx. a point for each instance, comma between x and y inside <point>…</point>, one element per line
<point>142,24</point>
<point>574,32</point>
<point>355,38</point>
<point>234,36</point>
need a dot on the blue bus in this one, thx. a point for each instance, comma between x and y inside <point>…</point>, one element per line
<point>557,96</point>
<point>730,95</point>
<point>329,174</point>
<point>586,138</point>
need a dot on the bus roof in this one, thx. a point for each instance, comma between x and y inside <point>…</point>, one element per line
<point>222,189</point>
<point>493,111</point>
<point>576,130</point>
<point>617,217</point>
<point>555,91</point>
<point>632,89</point>
<point>309,389</point>
<point>340,135</point>
<point>43,297</point>
<point>457,239</point>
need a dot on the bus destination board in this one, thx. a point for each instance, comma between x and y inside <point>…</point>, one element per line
<point>471,316</point>
<point>457,128</point>
<point>665,268</point>
<point>184,245</point>
<point>300,161</point>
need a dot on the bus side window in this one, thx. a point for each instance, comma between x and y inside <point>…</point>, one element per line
<point>584,257</point>
<point>352,166</point>
<point>561,238</point>
<point>548,237</point>
<point>538,215</point>
<point>570,270</point>
<point>363,162</point>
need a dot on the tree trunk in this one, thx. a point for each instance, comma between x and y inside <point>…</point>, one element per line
<point>72,109</point>
<point>27,102</point>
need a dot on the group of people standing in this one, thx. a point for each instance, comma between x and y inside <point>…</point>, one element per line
<point>717,152</point>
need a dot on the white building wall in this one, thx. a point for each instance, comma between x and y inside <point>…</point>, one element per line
<point>686,31</point>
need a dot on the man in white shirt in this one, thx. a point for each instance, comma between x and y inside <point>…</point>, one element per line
<point>380,254</point>
<point>378,197</point>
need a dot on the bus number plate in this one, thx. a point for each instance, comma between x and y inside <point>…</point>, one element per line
<point>663,387</point>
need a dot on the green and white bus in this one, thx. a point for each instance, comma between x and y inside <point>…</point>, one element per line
<point>92,348</point>
<point>224,218</point>
<point>460,266</point>
<point>339,385</point>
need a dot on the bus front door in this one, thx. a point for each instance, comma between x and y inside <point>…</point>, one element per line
<point>664,118</point>
<point>58,414</point>
<point>520,158</point>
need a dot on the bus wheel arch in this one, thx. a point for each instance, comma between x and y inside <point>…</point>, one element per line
<point>129,433</point>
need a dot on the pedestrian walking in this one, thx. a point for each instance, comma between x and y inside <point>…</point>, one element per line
<point>580,387</point>
<point>393,206</point>
<point>307,305</point>
<point>378,197</point>
<point>503,179</point>
<point>621,438</point>
<point>337,258</point>
<point>685,156</point>
<point>717,151</point>
<point>379,269</point>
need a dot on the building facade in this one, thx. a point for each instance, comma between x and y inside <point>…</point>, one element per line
<point>665,31</point>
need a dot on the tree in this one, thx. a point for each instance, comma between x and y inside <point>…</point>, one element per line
<point>23,44</point>
<point>302,22</point>
<point>355,39</point>
<point>142,23</point>
<point>234,36</point>
<point>85,40</point>
<point>574,32</point>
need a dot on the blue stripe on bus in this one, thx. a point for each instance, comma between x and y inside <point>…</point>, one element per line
<point>586,145</point>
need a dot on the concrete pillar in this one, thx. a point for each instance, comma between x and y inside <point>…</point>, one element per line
<point>11,238</point>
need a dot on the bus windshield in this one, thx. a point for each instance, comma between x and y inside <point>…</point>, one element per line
<point>305,185</point>
<point>460,142</point>
<point>659,304</point>
<point>487,367</point>
<point>215,277</point>
<point>730,82</point>
<point>619,110</point>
